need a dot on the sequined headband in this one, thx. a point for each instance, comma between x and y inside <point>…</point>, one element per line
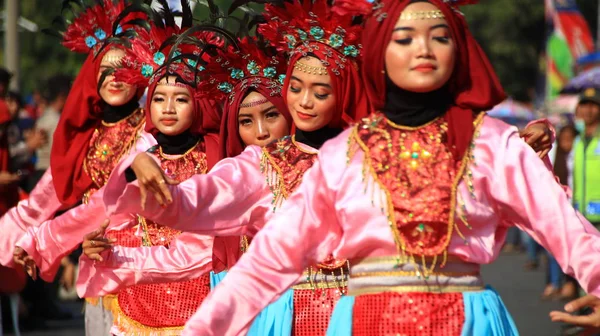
<point>113,59</point>
<point>311,70</point>
<point>181,85</point>
<point>421,15</point>
<point>254,103</point>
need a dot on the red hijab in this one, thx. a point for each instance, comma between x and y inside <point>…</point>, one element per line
<point>473,85</point>
<point>231,143</point>
<point>351,100</point>
<point>9,194</point>
<point>80,116</point>
<point>207,118</point>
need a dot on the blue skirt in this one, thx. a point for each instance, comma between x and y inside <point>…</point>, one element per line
<point>485,314</point>
<point>275,320</point>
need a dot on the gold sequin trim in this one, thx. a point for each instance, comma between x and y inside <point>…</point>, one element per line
<point>420,289</point>
<point>133,327</point>
<point>422,15</point>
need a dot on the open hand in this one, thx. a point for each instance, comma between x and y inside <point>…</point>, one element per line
<point>94,242</point>
<point>591,322</point>
<point>152,180</point>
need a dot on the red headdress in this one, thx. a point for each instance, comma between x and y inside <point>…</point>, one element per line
<point>90,32</point>
<point>232,73</point>
<point>315,27</point>
<point>473,85</point>
<point>156,55</point>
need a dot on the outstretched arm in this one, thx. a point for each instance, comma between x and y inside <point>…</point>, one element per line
<point>222,202</point>
<point>303,231</point>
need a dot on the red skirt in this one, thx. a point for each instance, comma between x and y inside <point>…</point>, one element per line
<point>408,314</point>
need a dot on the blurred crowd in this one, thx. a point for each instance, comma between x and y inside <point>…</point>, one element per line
<point>27,125</point>
<point>576,160</point>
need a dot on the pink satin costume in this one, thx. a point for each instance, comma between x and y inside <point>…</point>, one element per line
<point>236,198</point>
<point>335,211</point>
<point>108,145</point>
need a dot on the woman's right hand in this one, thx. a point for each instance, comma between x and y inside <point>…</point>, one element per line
<point>21,257</point>
<point>94,242</point>
<point>151,179</point>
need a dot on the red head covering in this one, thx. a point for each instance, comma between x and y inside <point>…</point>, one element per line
<point>331,35</point>
<point>474,84</point>
<point>231,143</point>
<point>9,194</point>
<point>207,115</point>
<point>351,100</point>
<point>82,111</point>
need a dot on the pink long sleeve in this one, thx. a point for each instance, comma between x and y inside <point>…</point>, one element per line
<point>56,238</point>
<point>303,231</point>
<point>189,256</point>
<point>39,207</point>
<point>53,239</point>
<point>223,202</point>
<point>527,194</point>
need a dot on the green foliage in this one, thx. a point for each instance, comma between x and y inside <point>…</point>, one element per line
<point>512,34</point>
<point>42,55</point>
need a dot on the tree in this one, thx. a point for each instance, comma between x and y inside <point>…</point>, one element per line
<point>512,34</point>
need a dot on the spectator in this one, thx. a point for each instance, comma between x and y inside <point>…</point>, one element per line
<point>586,158</point>
<point>22,140</point>
<point>56,95</point>
<point>554,275</point>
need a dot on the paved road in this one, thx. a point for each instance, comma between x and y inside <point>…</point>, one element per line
<point>520,291</point>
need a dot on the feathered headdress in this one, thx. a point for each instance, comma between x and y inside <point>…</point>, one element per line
<point>147,53</point>
<point>242,65</point>
<point>94,25</point>
<point>293,24</point>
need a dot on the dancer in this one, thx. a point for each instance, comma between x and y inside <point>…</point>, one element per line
<point>100,123</point>
<point>185,128</point>
<point>417,196</point>
<point>323,94</point>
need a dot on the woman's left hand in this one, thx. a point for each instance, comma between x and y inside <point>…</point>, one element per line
<point>590,322</point>
<point>539,137</point>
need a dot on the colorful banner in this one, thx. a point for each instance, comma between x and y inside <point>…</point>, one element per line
<point>570,38</point>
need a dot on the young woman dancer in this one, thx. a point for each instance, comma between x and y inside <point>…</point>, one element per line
<point>417,196</point>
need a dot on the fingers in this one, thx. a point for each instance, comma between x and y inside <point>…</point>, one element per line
<point>582,302</point>
<point>30,267</point>
<point>104,225</point>
<point>534,138</point>
<point>164,190</point>
<point>584,321</point>
<point>103,243</point>
<point>19,256</point>
<point>543,153</point>
<point>143,195</point>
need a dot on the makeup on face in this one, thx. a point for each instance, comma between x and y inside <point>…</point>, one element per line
<point>420,56</point>
<point>114,93</point>
<point>310,96</point>
<point>172,108</point>
<point>259,121</point>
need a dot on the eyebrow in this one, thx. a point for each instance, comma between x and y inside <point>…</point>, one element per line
<point>441,25</point>
<point>157,92</point>
<point>313,84</point>
<point>248,115</point>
